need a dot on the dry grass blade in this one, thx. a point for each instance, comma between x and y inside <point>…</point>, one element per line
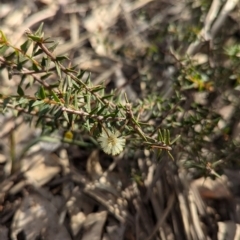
<point>164,216</point>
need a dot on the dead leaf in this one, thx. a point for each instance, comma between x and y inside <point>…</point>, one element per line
<point>228,230</point>
<point>93,226</point>
<point>94,169</point>
<point>41,173</point>
<point>37,217</point>
<point>215,189</point>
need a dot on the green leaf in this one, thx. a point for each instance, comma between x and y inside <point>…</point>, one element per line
<point>69,81</point>
<point>11,56</point>
<point>73,69</point>
<point>21,60</point>
<point>101,110</point>
<point>44,110</point>
<point>53,110</point>
<point>87,99</point>
<point>3,38</point>
<point>74,117</point>
<point>53,47</point>
<point>98,88</point>
<point>67,97</point>
<point>31,80</point>
<point>61,58</point>
<point>38,52</point>
<point>55,97</point>
<point>65,114</point>
<point>88,80</point>
<point>36,103</point>
<point>22,101</point>
<point>43,62</point>
<point>59,72</point>
<point>3,49</point>
<point>30,107</point>
<point>25,46</point>
<point>35,38</point>
<point>107,96</point>
<point>164,135</point>
<point>63,85</point>
<point>53,85</point>
<point>39,121</point>
<point>20,91</point>
<point>160,136</point>
<point>42,93</point>
<point>39,30</point>
<point>94,110</point>
<point>45,76</point>
<point>80,74</point>
<point>22,79</point>
<point>48,63</point>
<point>170,155</point>
<point>58,113</point>
<point>35,48</point>
<point>88,125</point>
<point>175,139</point>
<point>35,67</point>
<point>76,85</point>
<point>48,40</point>
<point>167,137</point>
<point>76,101</point>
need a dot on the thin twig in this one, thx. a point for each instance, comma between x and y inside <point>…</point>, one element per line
<point>164,216</point>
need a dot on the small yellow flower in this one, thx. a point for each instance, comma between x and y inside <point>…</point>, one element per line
<point>68,135</point>
<point>110,142</point>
